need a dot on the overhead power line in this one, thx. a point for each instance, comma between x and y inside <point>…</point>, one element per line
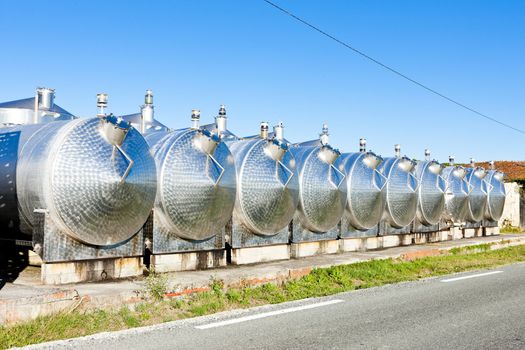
<point>361,53</point>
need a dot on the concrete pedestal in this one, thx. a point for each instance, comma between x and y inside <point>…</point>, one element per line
<point>188,261</point>
<point>252,255</point>
<point>91,270</point>
<point>303,249</point>
<point>472,232</point>
<point>491,231</point>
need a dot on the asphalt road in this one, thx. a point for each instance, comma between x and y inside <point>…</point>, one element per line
<point>483,312</point>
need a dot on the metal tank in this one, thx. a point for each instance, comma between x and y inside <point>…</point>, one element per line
<point>401,190</point>
<point>94,178</point>
<point>496,194</point>
<point>457,193</point>
<point>196,180</point>
<point>477,200</point>
<point>267,184</point>
<point>322,194</point>
<point>431,191</point>
<point>33,110</point>
<point>365,200</point>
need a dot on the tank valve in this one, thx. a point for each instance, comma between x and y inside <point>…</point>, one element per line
<point>492,165</point>
<point>324,136</point>
<point>397,150</point>
<point>195,118</point>
<point>278,131</point>
<point>115,131</point>
<point>102,103</point>
<point>472,163</point>
<point>264,130</point>
<point>427,154</point>
<point>362,145</point>
<point>220,120</point>
<point>451,160</point>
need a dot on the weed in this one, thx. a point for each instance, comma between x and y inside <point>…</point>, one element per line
<point>156,285</point>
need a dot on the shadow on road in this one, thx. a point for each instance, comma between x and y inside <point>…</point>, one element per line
<point>13,260</point>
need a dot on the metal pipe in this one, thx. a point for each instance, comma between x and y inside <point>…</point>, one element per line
<point>427,154</point>
<point>102,103</point>
<point>397,150</point>
<point>472,163</point>
<point>362,145</point>
<point>451,160</point>
<point>324,136</point>
<point>278,131</point>
<point>35,117</point>
<point>492,165</point>
<point>264,130</point>
<point>147,111</point>
<point>195,118</point>
<point>220,120</point>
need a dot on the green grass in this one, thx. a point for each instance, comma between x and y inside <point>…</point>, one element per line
<point>320,282</point>
<point>510,229</point>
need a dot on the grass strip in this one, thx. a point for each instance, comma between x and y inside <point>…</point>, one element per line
<point>320,282</point>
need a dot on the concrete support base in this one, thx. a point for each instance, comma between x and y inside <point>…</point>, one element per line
<point>491,231</point>
<point>455,233</point>
<point>303,249</point>
<point>188,261</point>
<point>472,232</point>
<point>430,237</point>
<point>252,255</point>
<point>371,243</point>
<point>91,270</point>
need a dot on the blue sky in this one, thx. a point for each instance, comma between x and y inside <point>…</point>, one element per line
<point>265,66</point>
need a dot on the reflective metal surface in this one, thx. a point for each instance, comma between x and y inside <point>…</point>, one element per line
<point>365,199</point>
<point>38,109</point>
<point>97,192</point>
<point>457,193</point>
<point>322,191</point>
<point>477,200</point>
<point>401,191</point>
<point>196,182</point>
<point>267,184</point>
<point>496,195</point>
<point>431,193</point>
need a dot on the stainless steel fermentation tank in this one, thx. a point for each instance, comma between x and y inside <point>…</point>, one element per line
<point>477,202</point>
<point>33,110</point>
<point>431,194</point>
<point>457,193</point>
<point>267,186</point>
<point>76,188</point>
<point>401,193</point>
<point>496,195</point>
<point>322,191</point>
<point>196,188</point>
<point>365,199</point>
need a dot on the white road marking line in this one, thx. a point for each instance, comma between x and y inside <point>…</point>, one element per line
<point>471,276</point>
<point>268,314</point>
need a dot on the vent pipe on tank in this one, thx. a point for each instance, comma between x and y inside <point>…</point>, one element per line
<point>324,136</point>
<point>492,165</point>
<point>147,112</point>
<point>472,163</point>
<point>278,131</point>
<point>427,154</point>
<point>102,103</point>
<point>397,150</point>
<point>264,130</point>
<point>362,145</point>
<point>221,120</point>
<point>195,118</point>
<point>46,98</point>
<point>451,160</point>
